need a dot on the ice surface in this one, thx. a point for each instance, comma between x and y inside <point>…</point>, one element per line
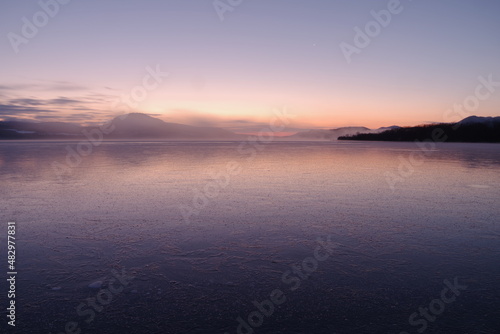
<point>119,207</point>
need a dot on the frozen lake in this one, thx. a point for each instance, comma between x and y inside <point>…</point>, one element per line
<point>320,237</point>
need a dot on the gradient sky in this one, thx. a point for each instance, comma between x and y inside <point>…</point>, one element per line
<point>264,54</point>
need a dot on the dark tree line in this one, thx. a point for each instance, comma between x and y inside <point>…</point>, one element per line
<point>449,132</point>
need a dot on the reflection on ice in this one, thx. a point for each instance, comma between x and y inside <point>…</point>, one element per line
<point>120,209</point>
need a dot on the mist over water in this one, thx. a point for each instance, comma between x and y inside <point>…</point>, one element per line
<point>120,208</point>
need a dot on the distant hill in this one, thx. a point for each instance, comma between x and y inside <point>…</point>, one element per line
<point>333,134</point>
<point>130,126</point>
<point>482,120</point>
<point>472,129</point>
<point>142,126</point>
<point>136,125</point>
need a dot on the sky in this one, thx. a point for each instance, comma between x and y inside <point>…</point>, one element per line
<point>230,63</point>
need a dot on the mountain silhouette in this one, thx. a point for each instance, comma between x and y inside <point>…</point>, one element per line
<point>333,134</point>
<point>472,129</point>
<point>137,125</point>
<point>129,126</point>
<point>142,126</point>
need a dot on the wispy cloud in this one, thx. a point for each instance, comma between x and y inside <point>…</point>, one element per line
<point>27,102</point>
<point>15,110</point>
<point>51,86</point>
<point>79,109</point>
<point>46,102</point>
